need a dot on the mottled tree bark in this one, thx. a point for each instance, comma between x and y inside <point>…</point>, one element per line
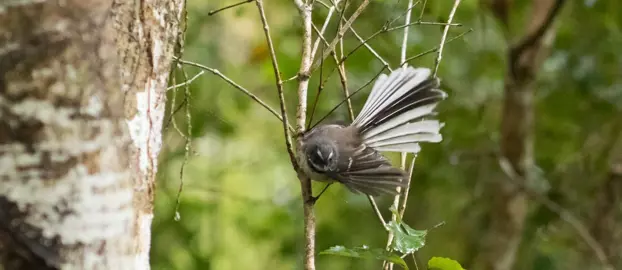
<point>509,203</point>
<point>82,86</point>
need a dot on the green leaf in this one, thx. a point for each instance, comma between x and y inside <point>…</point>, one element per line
<point>367,253</point>
<point>440,263</point>
<point>407,239</point>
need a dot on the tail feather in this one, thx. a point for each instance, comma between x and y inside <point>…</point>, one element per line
<point>403,147</point>
<point>421,127</point>
<point>386,91</point>
<point>394,116</point>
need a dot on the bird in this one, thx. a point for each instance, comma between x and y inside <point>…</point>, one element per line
<point>399,113</point>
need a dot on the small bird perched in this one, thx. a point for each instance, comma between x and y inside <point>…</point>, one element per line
<point>395,118</point>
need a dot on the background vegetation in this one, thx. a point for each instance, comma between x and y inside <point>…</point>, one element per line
<point>241,207</point>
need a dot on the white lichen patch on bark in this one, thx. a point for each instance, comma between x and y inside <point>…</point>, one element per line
<point>144,227</point>
<point>145,124</point>
<point>93,201</point>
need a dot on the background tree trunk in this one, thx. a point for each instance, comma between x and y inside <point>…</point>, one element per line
<point>82,94</point>
<point>509,203</point>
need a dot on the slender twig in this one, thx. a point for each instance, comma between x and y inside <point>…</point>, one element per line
<point>402,208</point>
<point>374,206</point>
<point>295,77</point>
<point>343,59</point>
<point>346,27</point>
<point>279,82</point>
<point>173,101</point>
<point>403,155</point>
<point>174,111</point>
<point>405,39</point>
<point>186,82</point>
<point>237,86</point>
<point>424,23</point>
<point>343,77</point>
<point>351,95</point>
<point>376,54</point>
<point>323,4</point>
<point>305,11</point>
<point>320,34</point>
<point>387,28</point>
<point>435,49</point>
<point>187,146</point>
<point>212,12</point>
<point>439,55</point>
<point>422,10</point>
<point>181,38</point>
<point>320,86</point>
<point>564,214</point>
<point>362,42</point>
<point>415,261</point>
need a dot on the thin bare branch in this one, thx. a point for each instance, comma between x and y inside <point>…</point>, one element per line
<point>185,83</point>
<point>343,77</point>
<point>405,39</point>
<point>415,261</point>
<point>237,86</point>
<point>374,206</point>
<point>345,28</point>
<point>351,95</point>
<point>387,28</point>
<point>439,55</point>
<point>187,145</point>
<point>173,112</point>
<point>173,102</point>
<point>279,81</point>
<point>320,34</point>
<point>321,85</point>
<point>362,42</point>
<point>435,49</point>
<point>377,55</point>
<point>305,10</point>
<point>422,10</point>
<point>402,208</point>
<point>212,12</point>
<point>323,4</point>
<point>403,155</point>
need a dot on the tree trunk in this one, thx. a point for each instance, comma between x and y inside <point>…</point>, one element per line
<point>509,207</point>
<point>82,93</point>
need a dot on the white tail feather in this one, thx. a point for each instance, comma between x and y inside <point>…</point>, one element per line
<point>405,147</point>
<point>426,126</point>
<point>375,91</point>
<point>387,89</point>
<point>399,120</point>
<point>410,138</point>
<point>400,131</point>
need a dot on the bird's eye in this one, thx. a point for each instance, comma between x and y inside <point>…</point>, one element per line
<point>330,156</point>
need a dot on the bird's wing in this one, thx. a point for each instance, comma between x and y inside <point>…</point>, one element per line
<point>363,169</point>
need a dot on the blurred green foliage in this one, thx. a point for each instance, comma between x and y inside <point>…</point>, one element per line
<point>241,208</point>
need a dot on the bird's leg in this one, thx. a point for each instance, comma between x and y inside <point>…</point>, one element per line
<point>314,199</point>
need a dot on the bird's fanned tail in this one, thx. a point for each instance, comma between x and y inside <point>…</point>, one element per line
<point>399,110</point>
